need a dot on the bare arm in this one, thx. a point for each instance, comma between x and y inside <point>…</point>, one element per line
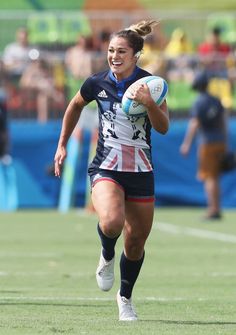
<point>190,134</point>
<point>159,116</point>
<point>70,119</point>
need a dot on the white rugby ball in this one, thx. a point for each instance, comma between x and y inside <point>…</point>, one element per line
<point>158,88</point>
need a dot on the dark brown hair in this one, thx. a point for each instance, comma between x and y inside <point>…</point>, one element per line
<point>136,33</point>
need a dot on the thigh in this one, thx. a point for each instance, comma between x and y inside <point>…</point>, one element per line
<point>109,203</point>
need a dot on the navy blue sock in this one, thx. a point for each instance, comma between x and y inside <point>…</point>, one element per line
<point>108,244</point>
<point>129,271</point>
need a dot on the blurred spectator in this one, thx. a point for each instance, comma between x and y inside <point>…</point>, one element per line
<point>37,80</point>
<point>78,62</point>
<point>100,50</point>
<point>213,54</point>
<point>214,44</point>
<point>180,55</point>
<point>78,59</point>
<point>103,40</point>
<point>179,44</point>
<point>16,54</point>
<point>4,137</point>
<point>208,119</point>
<point>152,59</point>
<point>215,57</point>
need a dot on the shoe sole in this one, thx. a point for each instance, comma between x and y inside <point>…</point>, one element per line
<point>106,285</point>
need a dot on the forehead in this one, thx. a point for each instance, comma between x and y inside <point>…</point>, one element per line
<point>119,43</point>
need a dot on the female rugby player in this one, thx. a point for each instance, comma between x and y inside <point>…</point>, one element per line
<point>121,172</point>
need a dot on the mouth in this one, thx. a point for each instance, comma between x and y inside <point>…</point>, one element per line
<point>116,64</point>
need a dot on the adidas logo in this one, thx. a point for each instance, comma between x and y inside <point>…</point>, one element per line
<point>102,94</point>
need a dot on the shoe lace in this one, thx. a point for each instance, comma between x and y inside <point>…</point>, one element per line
<point>129,309</point>
<point>104,268</point>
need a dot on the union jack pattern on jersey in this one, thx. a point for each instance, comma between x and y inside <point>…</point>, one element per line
<point>126,158</point>
<point>124,141</point>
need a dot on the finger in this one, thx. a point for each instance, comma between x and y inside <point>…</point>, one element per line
<point>57,168</point>
<point>130,95</point>
<point>57,171</point>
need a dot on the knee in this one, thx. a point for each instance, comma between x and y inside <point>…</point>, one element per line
<point>134,248</point>
<point>111,224</point>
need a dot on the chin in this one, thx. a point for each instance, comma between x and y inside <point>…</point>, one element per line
<point>115,70</point>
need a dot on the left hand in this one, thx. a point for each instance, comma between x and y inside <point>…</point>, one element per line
<point>141,94</point>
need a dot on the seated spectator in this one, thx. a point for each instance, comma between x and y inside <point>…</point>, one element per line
<point>180,55</point>
<point>214,44</point>
<point>37,79</point>
<point>16,55</point>
<point>152,59</point>
<point>179,44</point>
<point>213,54</point>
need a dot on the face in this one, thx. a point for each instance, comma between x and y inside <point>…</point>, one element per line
<point>121,58</point>
<point>22,37</point>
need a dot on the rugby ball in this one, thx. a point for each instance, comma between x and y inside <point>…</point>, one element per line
<point>158,88</point>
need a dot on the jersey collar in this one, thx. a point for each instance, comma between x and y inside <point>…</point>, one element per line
<point>123,81</point>
<point>120,85</point>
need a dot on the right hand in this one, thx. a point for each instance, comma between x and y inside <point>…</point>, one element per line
<point>59,158</point>
<point>184,149</point>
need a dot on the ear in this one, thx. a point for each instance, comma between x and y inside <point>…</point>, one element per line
<point>137,55</point>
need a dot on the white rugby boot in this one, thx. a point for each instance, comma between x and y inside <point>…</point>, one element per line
<point>126,309</point>
<point>105,273</point>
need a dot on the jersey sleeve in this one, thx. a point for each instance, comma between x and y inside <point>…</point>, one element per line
<point>194,111</point>
<point>87,90</point>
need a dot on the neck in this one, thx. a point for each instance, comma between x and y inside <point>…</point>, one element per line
<point>122,76</point>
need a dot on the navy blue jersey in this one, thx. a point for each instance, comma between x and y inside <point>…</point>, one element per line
<point>210,114</point>
<point>124,141</point>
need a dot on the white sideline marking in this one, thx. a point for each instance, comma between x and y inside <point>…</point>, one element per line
<point>223,274</point>
<point>29,254</point>
<point>29,299</point>
<point>207,234</point>
<point>79,275</point>
<point>39,273</point>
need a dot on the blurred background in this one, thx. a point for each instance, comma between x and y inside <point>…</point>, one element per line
<point>48,48</point>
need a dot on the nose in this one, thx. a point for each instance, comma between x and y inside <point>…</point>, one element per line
<point>115,54</point>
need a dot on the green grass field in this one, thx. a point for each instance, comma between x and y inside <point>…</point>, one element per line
<point>48,286</point>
